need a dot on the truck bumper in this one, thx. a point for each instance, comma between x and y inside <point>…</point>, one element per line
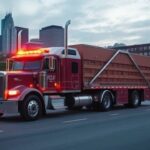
<point>8,107</point>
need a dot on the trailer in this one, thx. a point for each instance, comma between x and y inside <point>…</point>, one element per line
<point>86,76</point>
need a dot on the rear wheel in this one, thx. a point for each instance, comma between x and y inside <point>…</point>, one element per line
<point>134,99</point>
<point>31,107</point>
<point>106,101</point>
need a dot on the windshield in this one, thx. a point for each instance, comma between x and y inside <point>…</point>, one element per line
<point>26,65</point>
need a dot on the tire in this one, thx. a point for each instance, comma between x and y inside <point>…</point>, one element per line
<point>31,108</point>
<point>106,102</point>
<point>134,99</point>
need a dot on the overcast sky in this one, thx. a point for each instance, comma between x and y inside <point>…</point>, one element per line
<point>96,22</point>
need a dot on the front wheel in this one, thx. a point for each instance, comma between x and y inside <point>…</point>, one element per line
<point>31,108</point>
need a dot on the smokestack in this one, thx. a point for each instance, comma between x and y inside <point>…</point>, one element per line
<point>19,39</point>
<point>66,37</point>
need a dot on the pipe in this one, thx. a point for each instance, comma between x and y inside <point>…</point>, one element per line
<point>66,37</point>
<point>19,39</point>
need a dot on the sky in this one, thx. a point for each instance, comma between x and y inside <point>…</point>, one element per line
<point>94,22</point>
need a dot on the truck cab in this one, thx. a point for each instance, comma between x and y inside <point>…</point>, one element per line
<point>41,72</point>
<point>54,72</point>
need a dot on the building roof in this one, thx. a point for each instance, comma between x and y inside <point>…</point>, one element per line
<point>52,27</point>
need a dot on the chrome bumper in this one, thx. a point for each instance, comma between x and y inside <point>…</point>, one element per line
<point>8,107</point>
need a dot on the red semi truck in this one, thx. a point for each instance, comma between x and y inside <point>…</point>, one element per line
<point>88,76</point>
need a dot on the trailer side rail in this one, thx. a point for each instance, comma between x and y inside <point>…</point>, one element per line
<point>112,58</point>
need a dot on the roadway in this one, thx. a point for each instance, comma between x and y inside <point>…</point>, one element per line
<point>119,129</point>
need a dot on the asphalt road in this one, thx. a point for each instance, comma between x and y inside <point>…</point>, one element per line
<point>119,129</point>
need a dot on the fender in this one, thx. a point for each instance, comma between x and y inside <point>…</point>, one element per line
<point>27,91</point>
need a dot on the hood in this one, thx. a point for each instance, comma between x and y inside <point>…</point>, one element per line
<point>17,78</point>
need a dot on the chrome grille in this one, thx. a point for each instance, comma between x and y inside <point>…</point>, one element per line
<point>2,85</point>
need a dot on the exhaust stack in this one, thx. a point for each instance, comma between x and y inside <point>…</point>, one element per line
<point>66,37</point>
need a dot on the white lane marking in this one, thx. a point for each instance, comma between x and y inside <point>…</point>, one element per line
<point>115,114</point>
<point>77,120</point>
<point>1,131</point>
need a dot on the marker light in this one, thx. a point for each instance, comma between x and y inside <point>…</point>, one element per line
<point>31,85</point>
<point>57,86</point>
<point>31,52</point>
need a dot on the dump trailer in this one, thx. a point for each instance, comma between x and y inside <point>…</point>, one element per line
<point>85,76</point>
<point>120,75</point>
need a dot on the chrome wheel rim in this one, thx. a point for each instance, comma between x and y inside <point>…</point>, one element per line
<point>33,108</point>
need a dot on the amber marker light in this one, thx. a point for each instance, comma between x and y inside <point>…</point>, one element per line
<point>31,52</point>
<point>6,94</point>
